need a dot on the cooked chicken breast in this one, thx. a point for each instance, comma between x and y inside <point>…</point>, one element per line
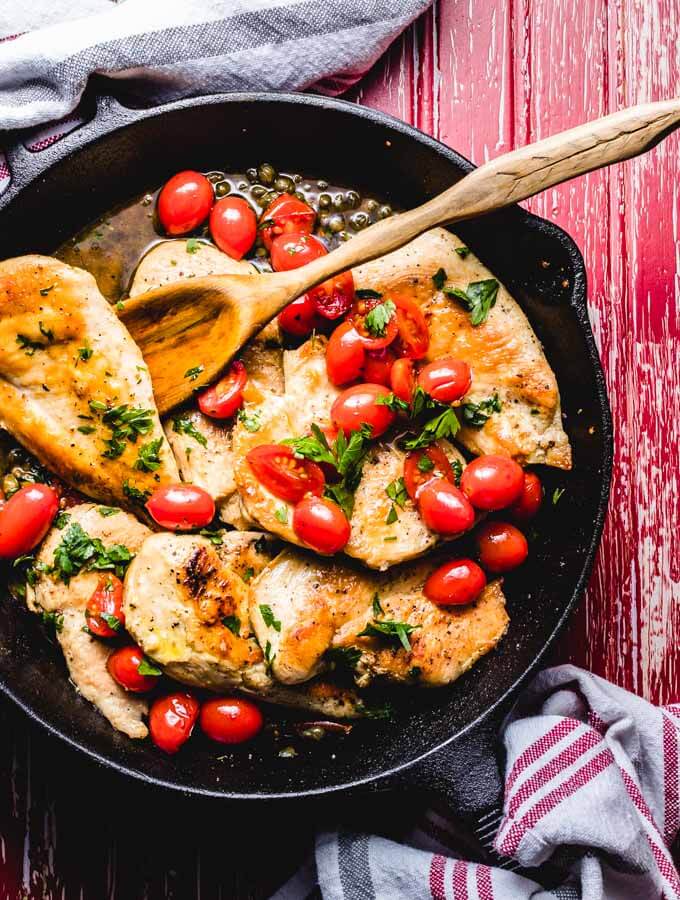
<point>169,261</point>
<point>73,386</point>
<point>503,352</point>
<point>305,607</point>
<point>86,656</point>
<point>186,604</point>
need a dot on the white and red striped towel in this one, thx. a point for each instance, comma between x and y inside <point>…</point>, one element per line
<point>591,785</point>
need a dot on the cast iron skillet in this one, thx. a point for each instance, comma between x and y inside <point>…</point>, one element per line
<point>123,151</point>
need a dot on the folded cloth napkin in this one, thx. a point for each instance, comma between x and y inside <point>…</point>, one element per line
<point>591,785</point>
<point>166,49</point>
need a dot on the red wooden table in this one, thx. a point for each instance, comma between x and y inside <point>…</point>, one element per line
<point>484,77</point>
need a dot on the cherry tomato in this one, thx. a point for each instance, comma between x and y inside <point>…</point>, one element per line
<point>456,582</point>
<point>333,298</point>
<point>321,524</point>
<point>530,499</point>
<point>403,379</point>
<point>290,251</point>
<point>378,366</point>
<point>233,226</point>
<point>221,400</point>
<point>414,335</point>
<point>446,380</point>
<point>492,482</point>
<point>421,466</point>
<point>300,317</point>
<point>172,719</point>
<point>357,406</point>
<point>502,547</point>
<point>105,607</point>
<point>345,354</point>
<point>230,720</point>
<point>277,468</point>
<point>184,202</point>
<point>181,507</point>
<point>284,215</point>
<point>359,316</point>
<point>123,666</point>
<point>25,519</point>
<point>444,508</point>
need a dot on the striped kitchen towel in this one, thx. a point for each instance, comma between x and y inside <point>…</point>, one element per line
<point>160,50</point>
<point>591,790</point>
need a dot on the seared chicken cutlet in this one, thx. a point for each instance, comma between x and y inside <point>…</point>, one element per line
<point>85,655</point>
<point>187,606</point>
<point>73,386</point>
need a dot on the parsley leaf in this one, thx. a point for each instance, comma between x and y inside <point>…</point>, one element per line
<point>478,298</point>
<point>146,667</point>
<point>184,425</point>
<point>53,618</point>
<point>396,491</point>
<point>463,252</point>
<point>106,511</point>
<point>393,402</point>
<point>268,617</point>
<point>443,425</point>
<point>148,459</point>
<point>344,656</point>
<point>78,551</point>
<point>85,353</point>
<point>378,318</point>
<point>557,494</point>
<point>268,657</point>
<point>62,520</point>
<point>125,422</point>
<point>477,414</point>
<point>394,631</point>
<point>193,245</point>
<point>112,621</point>
<point>193,372</point>
<point>250,423</point>
<point>281,514</point>
<point>134,494</point>
<point>377,605</point>
<point>248,574</point>
<point>391,516</point>
<point>233,623</point>
<point>29,346</point>
<point>215,536</point>
<point>457,467</point>
<point>439,279</point>
<point>425,464</point>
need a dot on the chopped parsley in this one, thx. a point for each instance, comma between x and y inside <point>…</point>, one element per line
<point>269,657</point>
<point>106,511</point>
<point>233,623</point>
<point>477,414</point>
<point>193,373</point>
<point>120,306</point>
<point>45,291</point>
<point>392,402</point>
<point>184,425</point>
<point>463,252</point>
<point>62,520</point>
<point>86,429</point>
<point>268,617</point>
<point>55,619</point>
<point>281,514</point>
<point>393,631</point>
<point>46,332</point>
<point>214,535</point>
<point>125,423</point>
<point>148,459</point>
<point>557,494</point>
<point>377,605</point>
<point>134,494</point>
<point>78,551</point>
<point>113,622</point>
<point>146,667</point>
<point>85,353</point>
<point>248,574</point>
<point>457,467</point>
<point>396,491</point>
<point>439,279</point>
<point>193,245</point>
<point>29,346</point>
<point>425,464</point>
<point>344,656</point>
<point>378,318</point>
<point>443,425</point>
<point>250,423</point>
<point>391,516</point>
<point>478,298</point>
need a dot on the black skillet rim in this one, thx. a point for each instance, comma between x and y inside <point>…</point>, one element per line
<point>116,117</point>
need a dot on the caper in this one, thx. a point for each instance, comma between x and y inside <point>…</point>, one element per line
<point>322,185</point>
<point>336,223</point>
<point>288,753</point>
<point>371,205</point>
<point>214,177</point>
<point>344,235</point>
<point>300,196</point>
<point>359,220</point>
<point>385,212</point>
<point>14,456</point>
<point>242,186</point>
<point>324,201</point>
<point>222,188</point>
<point>284,184</point>
<point>251,174</point>
<point>261,251</point>
<point>258,190</point>
<point>10,485</point>
<point>353,199</point>
<point>315,732</point>
<point>269,197</point>
<point>339,202</point>
<point>266,173</point>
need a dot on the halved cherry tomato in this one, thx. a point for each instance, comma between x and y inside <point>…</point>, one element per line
<point>123,666</point>
<point>184,202</point>
<point>25,519</point>
<point>221,400</point>
<point>446,380</point>
<point>172,719</point>
<point>378,366</point>
<point>290,251</point>
<point>181,507</point>
<point>359,314</point>
<point>233,226</point>
<point>284,215</point>
<point>456,582</point>
<point>105,607</point>
<point>230,720</point>
<point>529,502</point>
<point>403,379</point>
<point>502,547</point>
<point>357,406</point>
<point>492,482</point>
<point>321,524</point>
<point>444,508</point>
<point>277,468</point>
<point>414,335</point>
<point>345,354</point>
<point>300,317</point>
<point>421,466</point>
<point>334,297</point>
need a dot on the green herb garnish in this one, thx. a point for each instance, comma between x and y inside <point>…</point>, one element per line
<point>233,623</point>
<point>193,372</point>
<point>394,631</point>
<point>134,494</point>
<point>557,493</point>
<point>396,491</point>
<point>478,298</point>
<point>78,551</point>
<point>85,353</point>
<point>281,514</point>
<point>106,511</point>
<point>250,423</point>
<point>193,245</point>
<point>268,617</point>
<point>477,414</point>
<point>439,279</point>
<point>184,425</point>
<point>248,574</point>
<point>55,619</point>
<point>378,318</point>
<point>146,667</point>
<point>463,252</point>
<point>148,459</point>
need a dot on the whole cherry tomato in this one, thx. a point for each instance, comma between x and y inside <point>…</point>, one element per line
<point>421,466</point>
<point>172,719</point>
<point>357,406</point>
<point>233,226</point>
<point>457,582</point>
<point>375,334</point>
<point>529,502</point>
<point>403,379</point>
<point>284,215</point>
<point>230,720</point>
<point>321,524</point>
<point>300,317</point>
<point>104,612</point>
<point>345,354</point>
<point>492,482</point>
<point>124,665</point>
<point>444,508</point>
<point>414,335</point>
<point>378,366</point>
<point>221,400</point>
<point>446,380</point>
<point>283,474</point>
<point>333,297</point>
<point>502,547</point>
<point>184,202</point>
<point>181,507</point>
<point>290,251</point>
<point>25,519</point>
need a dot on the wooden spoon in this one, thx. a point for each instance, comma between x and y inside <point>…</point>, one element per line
<point>200,324</point>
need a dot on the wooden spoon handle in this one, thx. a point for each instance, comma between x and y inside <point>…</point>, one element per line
<point>507,180</point>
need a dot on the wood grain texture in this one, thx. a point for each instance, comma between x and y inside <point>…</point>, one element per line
<point>484,77</point>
